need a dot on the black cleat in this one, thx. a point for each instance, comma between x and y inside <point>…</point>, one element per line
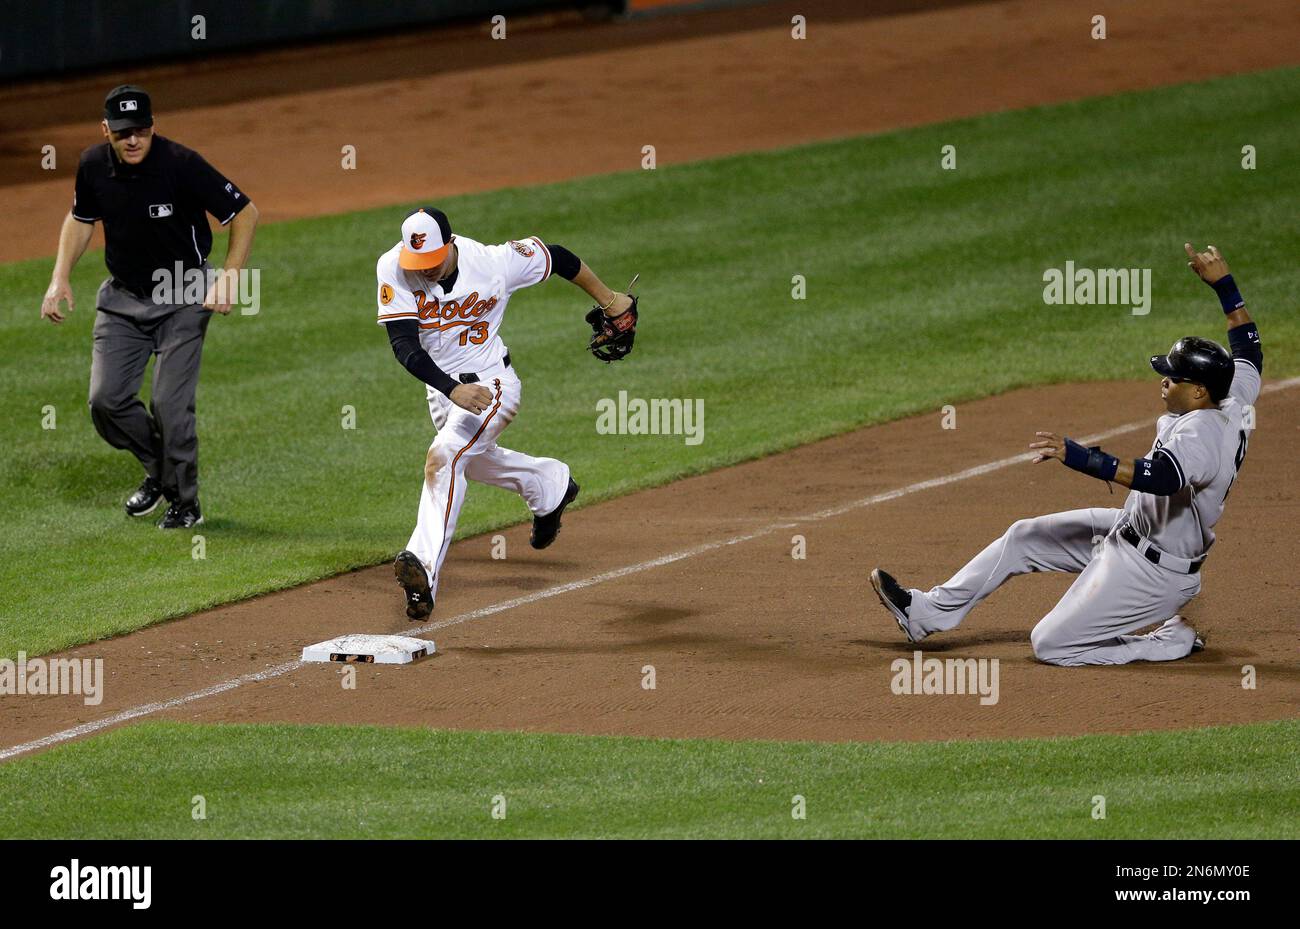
<point>895,599</point>
<point>181,516</point>
<point>546,528</point>
<point>1198,643</point>
<point>145,499</point>
<point>410,574</point>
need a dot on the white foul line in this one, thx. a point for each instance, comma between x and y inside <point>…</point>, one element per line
<point>148,709</point>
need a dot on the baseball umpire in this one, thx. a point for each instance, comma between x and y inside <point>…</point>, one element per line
<point>1137,565</point>
<point>152,195</point>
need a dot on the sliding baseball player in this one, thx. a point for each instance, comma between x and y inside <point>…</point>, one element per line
<point>443,298</point>
<point>1138,565</point>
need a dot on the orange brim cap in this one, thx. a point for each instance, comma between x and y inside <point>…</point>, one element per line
<point>422,261</point>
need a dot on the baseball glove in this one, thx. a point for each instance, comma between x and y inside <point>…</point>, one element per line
<point>612,336</point>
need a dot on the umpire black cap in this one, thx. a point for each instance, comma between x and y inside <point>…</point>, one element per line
<point>127,107</point>
<point>1202,361</point>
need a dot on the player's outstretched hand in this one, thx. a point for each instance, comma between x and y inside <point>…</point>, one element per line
<point>473,397</point>
<point>1208,264</point>
<point>58,291</point>
<point>1050,445</point>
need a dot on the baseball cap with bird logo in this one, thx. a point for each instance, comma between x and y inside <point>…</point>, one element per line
<point>426,239</point>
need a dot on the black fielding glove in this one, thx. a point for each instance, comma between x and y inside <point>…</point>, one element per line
<point>612,336</point>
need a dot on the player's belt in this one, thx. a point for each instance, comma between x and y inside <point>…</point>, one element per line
<point>1156,556</point>
<point>469,377</point>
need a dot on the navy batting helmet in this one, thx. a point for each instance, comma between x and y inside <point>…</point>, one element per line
<point>1202,361</point>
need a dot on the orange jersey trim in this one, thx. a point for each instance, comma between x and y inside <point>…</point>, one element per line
<point>451,324</point>
<point>545,251</point>
<point>451,487</point>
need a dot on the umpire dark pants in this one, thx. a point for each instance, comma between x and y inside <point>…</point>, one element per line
<point>128,330</point>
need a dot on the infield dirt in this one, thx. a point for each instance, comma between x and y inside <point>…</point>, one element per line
<point>745,640</point>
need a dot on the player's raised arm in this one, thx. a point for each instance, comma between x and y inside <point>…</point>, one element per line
<point>1243,335</point>
<point>1211,268</point>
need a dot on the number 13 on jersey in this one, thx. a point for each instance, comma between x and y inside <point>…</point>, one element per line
<point>476,334</point>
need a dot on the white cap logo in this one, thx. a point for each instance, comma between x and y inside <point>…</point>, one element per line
<point>127,105</point>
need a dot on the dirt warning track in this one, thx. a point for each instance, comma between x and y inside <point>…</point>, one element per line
<point>746,640</point>
<point>573,101</point>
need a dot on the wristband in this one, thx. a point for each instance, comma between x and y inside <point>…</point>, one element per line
<point>1229,295</point>
<point>1091,461</point>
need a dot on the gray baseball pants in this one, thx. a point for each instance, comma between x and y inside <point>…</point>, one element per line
<point>128,330</point>
<point>1118,591</point>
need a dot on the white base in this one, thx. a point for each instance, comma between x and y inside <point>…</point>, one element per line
<point>376,649</point>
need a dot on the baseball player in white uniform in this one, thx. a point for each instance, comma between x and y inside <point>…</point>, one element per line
<point>1138,565</point>
<point>442,298</point>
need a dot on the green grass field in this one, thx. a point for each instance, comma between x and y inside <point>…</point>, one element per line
<point>365,782</point>
<point>924,287</point>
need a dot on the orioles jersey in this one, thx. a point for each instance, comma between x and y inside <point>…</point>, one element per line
<point>1207,448</point>
<point>461,328</point>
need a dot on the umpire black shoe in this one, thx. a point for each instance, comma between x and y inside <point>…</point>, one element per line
<point>410,574</point>
<point>145,499</point>
<point>546,528</point>
<point>181,516</point>
<point>895,599</point>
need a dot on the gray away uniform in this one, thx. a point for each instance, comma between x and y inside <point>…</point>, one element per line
<point>1119,589</point>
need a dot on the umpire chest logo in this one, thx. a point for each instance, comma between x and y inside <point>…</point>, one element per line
<point>160,210</point>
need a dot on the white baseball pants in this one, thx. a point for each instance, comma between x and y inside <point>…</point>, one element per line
<point>1118,591</point>
<point>466,448</point>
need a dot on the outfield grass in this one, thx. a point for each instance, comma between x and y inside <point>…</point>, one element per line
<point>923,288</point>
<point>366,782</point>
